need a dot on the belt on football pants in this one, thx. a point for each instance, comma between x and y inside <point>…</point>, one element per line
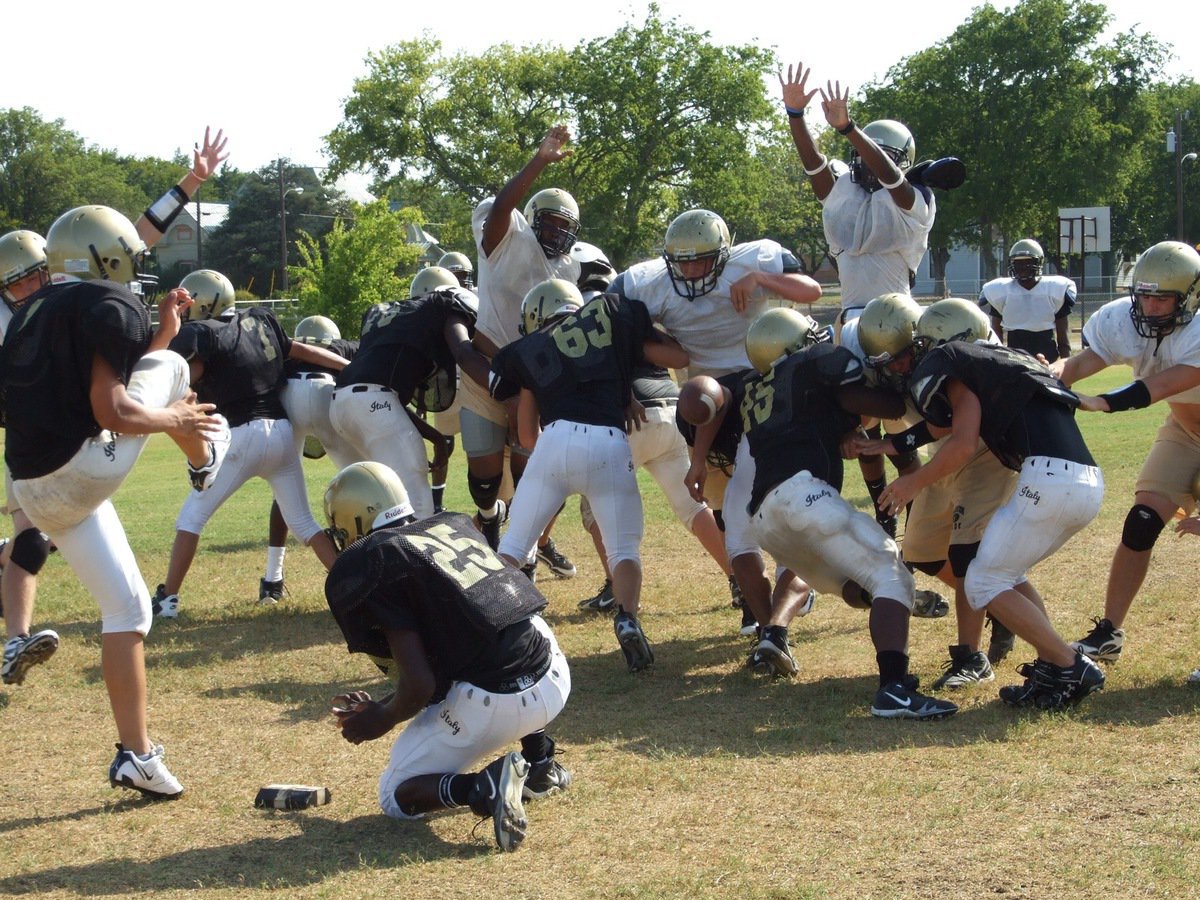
<point>305,376</point>
<point>364,389</point>
<point>659,402</point>
<point>521,682</point>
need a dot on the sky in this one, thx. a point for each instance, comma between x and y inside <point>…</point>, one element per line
<point>207,63</point>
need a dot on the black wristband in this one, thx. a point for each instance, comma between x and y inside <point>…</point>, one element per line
<point>162,212</point>
<point>794,113</point>
<point>849,128</point>
<point>917,436</point>
<point>1134,395</point>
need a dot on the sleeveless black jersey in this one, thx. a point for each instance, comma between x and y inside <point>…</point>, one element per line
<point>403,344</point>
<point>46,368</point>
<point>438,577</point>
<point>793,419</point>
<point>723,452</point>
<point>1006,382</point>
<point>243,358</point>
<point>345,349</point>
<point>581,369</point>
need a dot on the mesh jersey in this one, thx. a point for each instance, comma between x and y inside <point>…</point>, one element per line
<point>403,344</point>
<point>708,327</point>
<point>581,368</point>
<point>1006,382</point>
<point>243,356</point>
<point>438,577</point>
<point>877,245</point>
<point>46,366</point>
<point>1028,310</point>
<point>1111,335</point>
<point>793,420</point>
<point>343,348</point>
<point>723,451</point>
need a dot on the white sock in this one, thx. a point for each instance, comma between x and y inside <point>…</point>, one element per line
<point>275,563</point>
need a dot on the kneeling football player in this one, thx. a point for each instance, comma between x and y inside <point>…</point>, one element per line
<point>475,667</point>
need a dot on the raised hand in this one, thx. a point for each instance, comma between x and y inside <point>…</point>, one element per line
<point>206,159</point>
<point>796,94</point>
<point>834,103</point>
<point>552,145</point>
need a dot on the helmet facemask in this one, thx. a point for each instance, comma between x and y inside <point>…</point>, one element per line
<point>861,174</point>
<point>698,285</point>
<point>1157,327</point>
<point>555,231</point>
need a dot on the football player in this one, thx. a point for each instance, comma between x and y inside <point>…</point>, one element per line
<point>705,291</point>
<point>460,265</point>
<point>516,252</point>
<point>1154,332</point>
<point>806,397</point>
<point>85,382</point>
<point>474,666</point>
<point>1028,309</point>
<point>305,396</point>
<point>23,271</point>
<point>946,520</point>
<point>408,353</point>
<point>971,391</point>
<point>571,375</point>
<point>236,359</point>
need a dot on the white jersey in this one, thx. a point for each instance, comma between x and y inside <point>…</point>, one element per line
<point>876,243</point>
<point>1028,310</point>
<point>515,266</point>
<point>1110,334</point>
<point>711,331</point>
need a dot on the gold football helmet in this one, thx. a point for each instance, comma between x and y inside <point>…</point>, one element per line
<point>22,253</point>
<point>542,211</point>
<point>696,235</point>
<point>548,300</point>
<point>460,265</point>
<point>1168,269</point>
<point>1025,259</point>
<point>96,242</point>
<point>886,328</point>
<point>895,140</point>
<point>779,332</point>
<point>212,292</point>
<point>362,497</point>
<point>317,330</point>
<point>952,319</point>
<point>429,280</point>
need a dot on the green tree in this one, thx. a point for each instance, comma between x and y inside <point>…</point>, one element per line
<point>662,116</point>
<point>357,265</point>
<point>246,248</point>
<point>1043,114</point>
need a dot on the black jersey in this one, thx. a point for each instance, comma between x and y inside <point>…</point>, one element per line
<point>293,368</point>
<point>243,356</point>
<point>438,577</point>
<point>793,419</point>
<point>46,368</point>
<point>1008,383</point>
<point>580,369</point>
<point>403,344</point>
<point>723,452</point>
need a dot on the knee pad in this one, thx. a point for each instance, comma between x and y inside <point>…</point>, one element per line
<point>926,568</point>
<point>1142,528</point>
<point>30,550</point>
<point>961,556</point>
<point>484,491</point>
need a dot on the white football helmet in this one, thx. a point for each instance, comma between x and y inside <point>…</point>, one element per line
<point>896,142</point>
<point>1025,259</point>
<point>460,265</point>
<point>553,215</point>
<point>317,330</point>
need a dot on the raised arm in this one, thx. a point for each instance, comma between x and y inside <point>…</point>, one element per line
<point>834,103</point>
<point>796,97</point>
<point>550,150</point>
<point>155,221</point>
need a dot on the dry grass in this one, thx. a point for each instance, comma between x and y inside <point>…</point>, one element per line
<point>693,779</point>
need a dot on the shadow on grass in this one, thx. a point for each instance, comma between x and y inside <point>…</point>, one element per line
<point>323,849</point>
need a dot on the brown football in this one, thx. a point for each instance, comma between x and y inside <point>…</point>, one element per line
<point>699,399</point>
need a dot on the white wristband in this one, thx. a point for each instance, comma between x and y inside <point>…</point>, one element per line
<point>819,169</point>
<point>899,181</point>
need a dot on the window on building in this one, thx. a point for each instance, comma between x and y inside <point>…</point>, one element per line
<point>183,233</point>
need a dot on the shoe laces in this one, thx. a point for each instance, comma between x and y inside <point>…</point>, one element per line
<point>1103,629</point>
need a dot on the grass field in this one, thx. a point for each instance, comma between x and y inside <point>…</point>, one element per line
<point>694,779</point>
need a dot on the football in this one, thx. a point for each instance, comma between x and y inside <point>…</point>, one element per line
<point>699,400</point>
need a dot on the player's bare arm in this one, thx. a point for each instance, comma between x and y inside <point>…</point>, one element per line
<point>1078,367</point>
<point>170,317</point>
<point>1159,386</point>
<point>791,286</point>
<point>317,356</point>
<point>205,161</point>
<point>550,150</point>
<point>115,410</point>
<point>796,97</point>
<point>372,719</point>
<point>664,351</point>
<point>472,363</point>
<point>528,420</point>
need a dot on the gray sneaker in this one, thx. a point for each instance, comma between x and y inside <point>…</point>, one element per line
<point>965,667</point>
<point>23,652</point>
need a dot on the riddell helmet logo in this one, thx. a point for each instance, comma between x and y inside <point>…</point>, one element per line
<point>1146,287</point>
